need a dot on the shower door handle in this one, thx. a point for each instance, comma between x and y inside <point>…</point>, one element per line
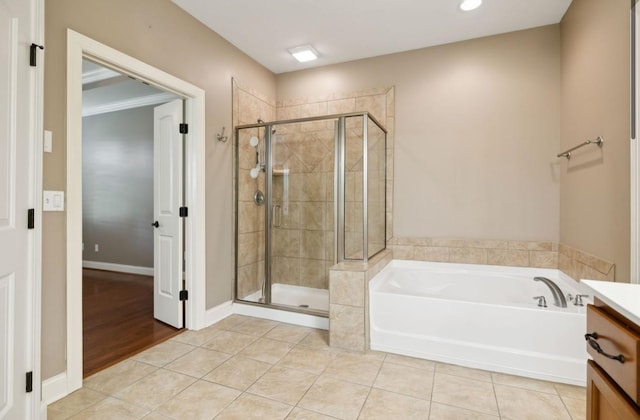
<point>276,215</point>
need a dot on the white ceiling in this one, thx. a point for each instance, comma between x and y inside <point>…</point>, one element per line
<point>346,30</point>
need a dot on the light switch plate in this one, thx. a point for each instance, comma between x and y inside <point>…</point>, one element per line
<point>53,200</point>
<point>48,141</point>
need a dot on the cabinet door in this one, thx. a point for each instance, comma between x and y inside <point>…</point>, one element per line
<point>605,400</point>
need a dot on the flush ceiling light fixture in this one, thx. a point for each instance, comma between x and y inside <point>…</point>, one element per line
<point>304,53</point>
<point>468,5</point>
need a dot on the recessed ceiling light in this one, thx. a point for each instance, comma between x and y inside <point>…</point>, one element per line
<point>304,53</point>
<point>468,5</point>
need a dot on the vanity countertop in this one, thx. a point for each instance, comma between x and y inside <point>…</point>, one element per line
<point>623,297</point>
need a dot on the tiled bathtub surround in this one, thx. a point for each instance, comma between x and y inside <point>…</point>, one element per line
<point>581,265</point>
<point>573,262</point>
<point>349,301</point>
<point>492,252</point>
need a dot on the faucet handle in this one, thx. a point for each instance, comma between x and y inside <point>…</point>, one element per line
<point>542,301</point>
<point>578,300</point>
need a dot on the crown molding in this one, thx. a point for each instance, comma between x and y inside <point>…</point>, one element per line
<point>97,75</point>
<point>127,104</point>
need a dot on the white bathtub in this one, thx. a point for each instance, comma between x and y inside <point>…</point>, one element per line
<point>479,316</point>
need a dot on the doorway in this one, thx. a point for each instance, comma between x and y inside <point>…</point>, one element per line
<point>79,47</point>
<point>119,239</point>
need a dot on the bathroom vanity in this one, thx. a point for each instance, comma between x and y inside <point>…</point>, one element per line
<point>613,342</point>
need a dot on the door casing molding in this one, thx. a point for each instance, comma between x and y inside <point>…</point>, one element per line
<point>79,47</point>
<point>634,148</point>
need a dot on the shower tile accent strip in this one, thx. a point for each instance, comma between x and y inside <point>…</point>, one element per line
<point>349,301</point>
<point>573,262</point>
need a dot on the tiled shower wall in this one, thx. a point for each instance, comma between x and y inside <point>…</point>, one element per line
<point>248,106</point>
<point>302,226</point>
<point>380,103</point>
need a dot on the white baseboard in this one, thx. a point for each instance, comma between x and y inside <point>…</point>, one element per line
<point>120,268</point>
<point>54,389</point>
<point>218,313</point>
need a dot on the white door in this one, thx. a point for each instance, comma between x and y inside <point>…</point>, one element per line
<point>167,193</point>
<point>17,91</point>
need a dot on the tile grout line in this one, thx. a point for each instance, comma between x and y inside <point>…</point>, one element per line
<point>564,404</point>
<point>372,386</point>
<point>433,386</point>
<point>495,395</point>
<point>314,382</point>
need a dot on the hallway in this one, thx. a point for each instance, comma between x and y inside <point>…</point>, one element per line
<point>118,318</point>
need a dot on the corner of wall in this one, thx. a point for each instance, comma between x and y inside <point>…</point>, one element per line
<point>578,265</point>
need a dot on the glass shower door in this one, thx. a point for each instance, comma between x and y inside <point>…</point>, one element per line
<point>300,213</point>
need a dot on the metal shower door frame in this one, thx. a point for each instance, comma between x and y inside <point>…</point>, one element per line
<point>339,196</point>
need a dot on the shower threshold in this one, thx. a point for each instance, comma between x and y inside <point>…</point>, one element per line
<point>295,296</point>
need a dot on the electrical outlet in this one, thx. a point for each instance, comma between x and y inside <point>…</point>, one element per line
<point>96,248</point>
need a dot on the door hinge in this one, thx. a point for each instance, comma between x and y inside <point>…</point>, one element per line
<point>31,216</point>
<point>184,295</point>
<point>184,211</point>
<point>33,54</point>
<point>29,377</point>
<point>184,128</point>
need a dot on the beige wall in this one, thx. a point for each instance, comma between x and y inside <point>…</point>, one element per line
<point>477,129</point>
<point>594,193</point>
<point>162,35</point>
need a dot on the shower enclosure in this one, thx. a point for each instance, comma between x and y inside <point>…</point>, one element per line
<point>309,193</point>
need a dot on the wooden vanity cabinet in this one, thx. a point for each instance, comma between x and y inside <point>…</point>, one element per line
<point>613,387</point>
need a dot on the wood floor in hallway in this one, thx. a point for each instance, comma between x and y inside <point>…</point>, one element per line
<point>118,318</point>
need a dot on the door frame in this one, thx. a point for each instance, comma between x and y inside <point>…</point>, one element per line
<point>634,147</point>
<point>79,47</point>
<point>35,408</point>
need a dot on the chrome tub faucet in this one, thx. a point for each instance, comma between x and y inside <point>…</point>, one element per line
<point>558,296</point>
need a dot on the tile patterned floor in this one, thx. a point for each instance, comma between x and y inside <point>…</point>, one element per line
<point>246,368</point>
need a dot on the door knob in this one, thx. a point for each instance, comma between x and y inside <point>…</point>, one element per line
<point>155,224</point>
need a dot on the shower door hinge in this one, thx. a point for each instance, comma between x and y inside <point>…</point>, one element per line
<point>29,382</point>
<point>184,295</point>
<point>184,128</point>
<point>184,211</point>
